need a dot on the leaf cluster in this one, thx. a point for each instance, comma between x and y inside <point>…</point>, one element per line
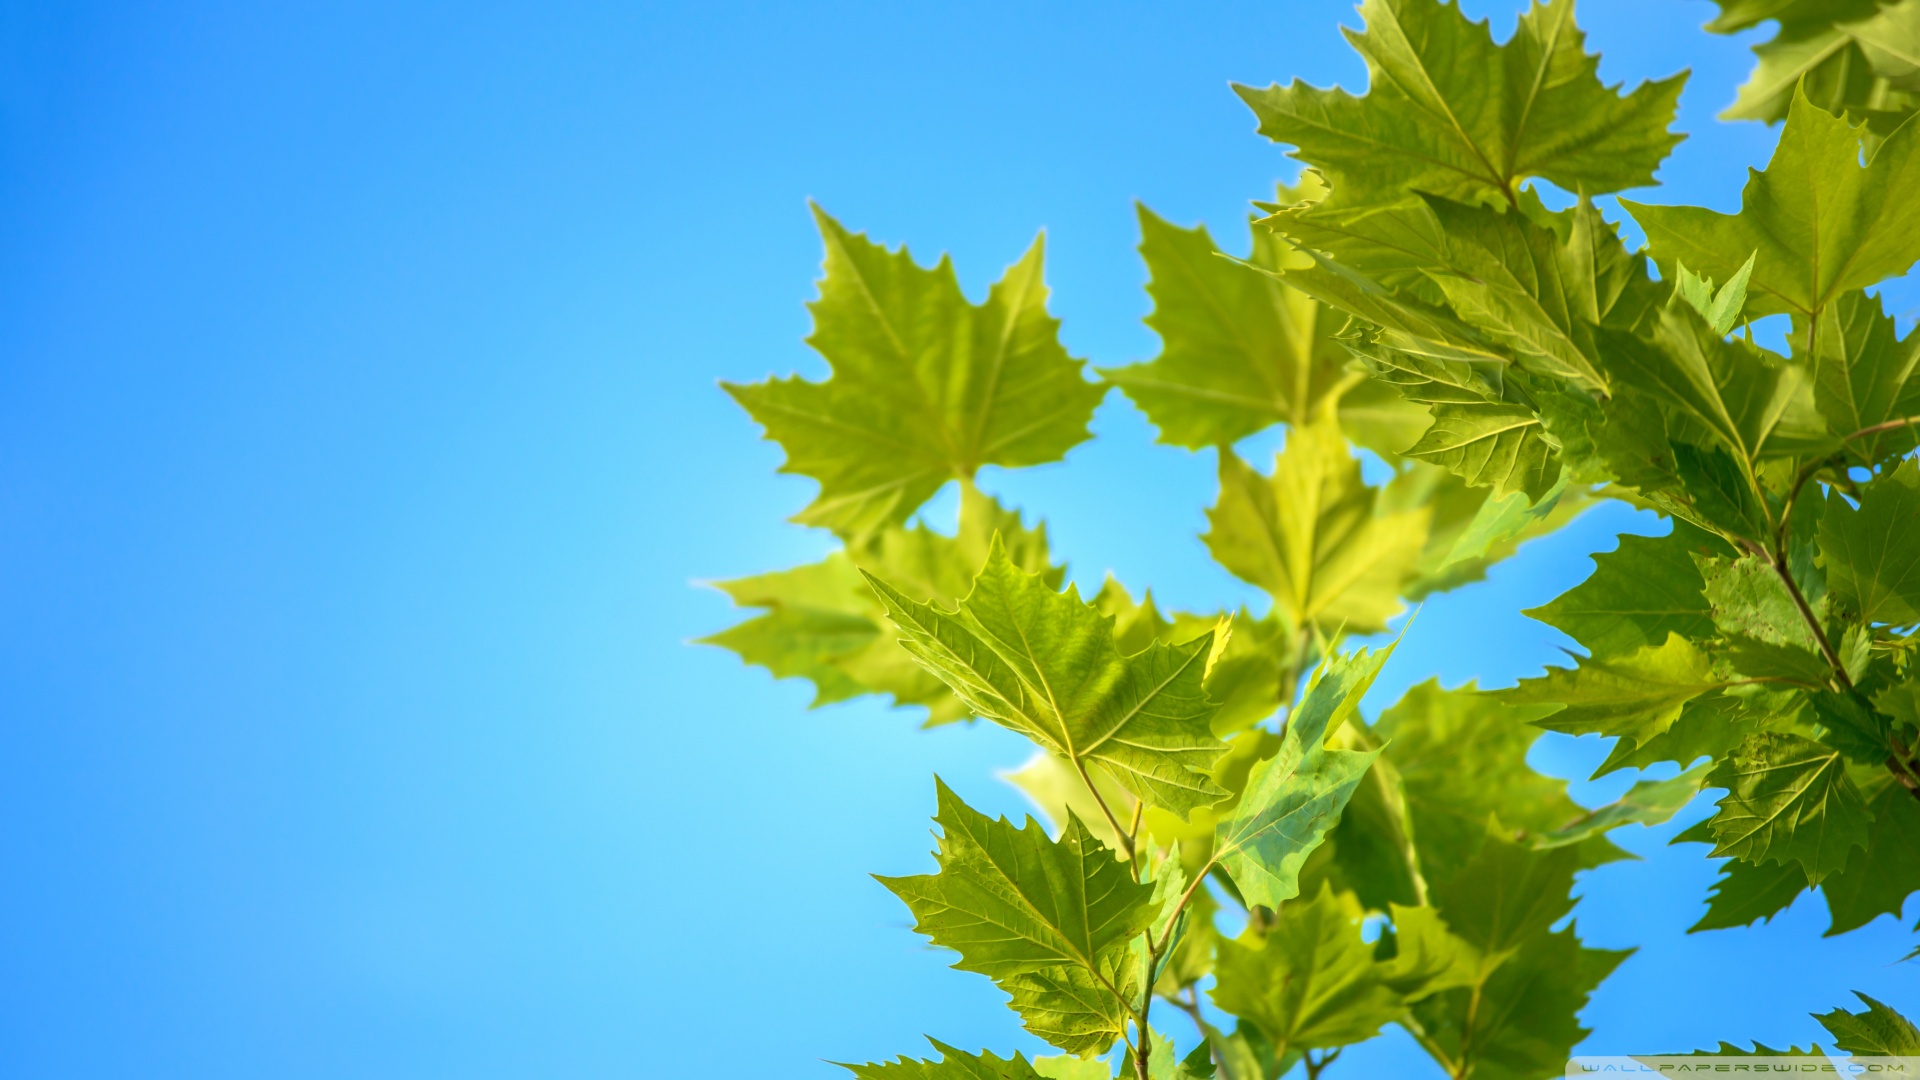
<point>1417,297</point>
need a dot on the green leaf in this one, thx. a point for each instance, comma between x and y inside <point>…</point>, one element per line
<point>1069,1067</point>
<point>1751,892</point>
<point>1647,802</point>
<point>1519,1017</point>
<point>1708,727</point>
<point>1461,757</point>
<point>1641,592</point>
<point>1891,43</point>
<point>1635,696</point>
<point>1490,444</point>
<point>1080,1010</point>
<point>1045,664</point>
<point>1312,535</point>
<point>926,387</point>
<point>1310,983</point>
<point>1450,113</point>
<point>1788,797</point>
<point>1720,309</point>
<point>1863,375</point>
<point>1470,529</point>
<point>1506,895</point>
<point>1292,799</point>
<point>1878,1031</point>
<point>954,1065</point>
<point>1878,878</point>
<point>822,623</point>
<point>1427,957</point>
<point>1873,550</point>
<point>1820,221</point>
<point>1241,351</point>
<point>1748,599</point>
<point>1524,1021</point>
<point>1050,920</point>
<point>1730,389</point>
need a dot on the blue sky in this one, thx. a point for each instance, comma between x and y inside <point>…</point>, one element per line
<point>360,449</point>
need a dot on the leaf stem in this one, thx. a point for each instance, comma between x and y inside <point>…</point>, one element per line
<point>1126,840</point>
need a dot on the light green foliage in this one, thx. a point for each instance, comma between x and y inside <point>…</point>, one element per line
<point>822,622</point>
<point>1788,797</point>
<point>1050,921</point>
<point>1309,982</point>
<point>953,1065</point>
<point>1817,222</point>
<point>1877,1031</point>
<point>1637,696</point>
<point>1045,665</point>
<point>1873,551</point>
<point>1853,57</point>
<point>1241,351</point>
<point>1511,364</point>
<point>1293,798</point>
<point>926,386</point>
<point>1311,534</point>
<point>1863,376</point>
<point>1451,113</point>
<point>1640,593</point>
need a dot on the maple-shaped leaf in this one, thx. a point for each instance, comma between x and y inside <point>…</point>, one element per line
<point>1451,113</point>
<point>1788,798</point>
<point>1241,351</point>
<point>1879,1031</point>
<point>1469,529</point>
<point>1519,1016</point>
<point>1847,56</point>
<point>1427,957</point>
<point>1293,798</point>
<point>953,1065</point>
<point>1639,593</point>
<point>1737,394</point>
<point>822,623</point>
<point>1311,536</point>
<point>1878,878</point>
<point>1080,1010</point>
<point>1635,696</point>
<point>1748,599</point>
<point>1523,1021</point>
<point>1873,550</point>
<point>1461,756</point>
<point>1309,983</point>
<point>1863,376</point>
<point>1049,920</point>
<point>1069,1067</point>
<point>1821,222</point>
<point>1045,665</point>
<point>926,387</point>
<point>1750,893</point>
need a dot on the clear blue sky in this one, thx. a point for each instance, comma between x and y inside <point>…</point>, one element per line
<point>359,445</point>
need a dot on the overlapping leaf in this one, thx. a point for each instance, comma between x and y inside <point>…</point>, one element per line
<point>1640,593</point>
<point>1241,351</point>
<point>1050,920</point>
<point>1788,798</point>
<point>1045,664</point>
<point>1310,534</point>
<point>953,1065</point>
<point>821,622</point>
<point>1873,550</point>
<point>1292,799</point>
<point>926,387</point>
<point>1821,222</point>
<point>1636,696</point>
<point>1310,982</point>
<point>1451,113</point>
